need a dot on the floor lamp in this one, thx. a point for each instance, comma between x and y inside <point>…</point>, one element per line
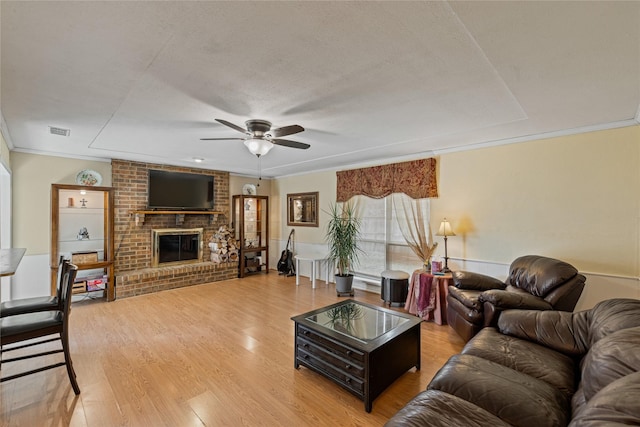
<point>445,230</point>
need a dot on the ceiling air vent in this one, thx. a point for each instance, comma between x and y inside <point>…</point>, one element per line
<point>59,131</point>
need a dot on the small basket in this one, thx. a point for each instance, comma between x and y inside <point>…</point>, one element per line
<point>79,288</point>
<point>84,257</point>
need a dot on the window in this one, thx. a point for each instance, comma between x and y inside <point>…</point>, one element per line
<point>381,241</point>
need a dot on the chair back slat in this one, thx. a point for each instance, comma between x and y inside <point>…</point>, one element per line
<point>68,279</point>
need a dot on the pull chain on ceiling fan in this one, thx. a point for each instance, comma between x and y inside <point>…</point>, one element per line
<point>261,138</point>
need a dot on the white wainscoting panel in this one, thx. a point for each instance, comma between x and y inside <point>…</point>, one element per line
<point>598,286</point>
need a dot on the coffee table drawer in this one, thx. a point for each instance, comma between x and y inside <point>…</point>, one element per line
<point>346,365</point>
<point>331,345</point>
<point>354,384</point>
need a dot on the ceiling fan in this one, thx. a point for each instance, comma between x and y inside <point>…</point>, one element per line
<point>261,138</point>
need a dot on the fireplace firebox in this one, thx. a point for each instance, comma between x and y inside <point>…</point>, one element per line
<point>176,246</point>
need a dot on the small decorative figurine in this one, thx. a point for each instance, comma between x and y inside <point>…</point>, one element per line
<point>83,234</point>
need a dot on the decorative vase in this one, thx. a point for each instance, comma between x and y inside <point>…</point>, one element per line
<point>427,265</point>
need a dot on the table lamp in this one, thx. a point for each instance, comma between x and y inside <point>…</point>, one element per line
<point>445,230</point>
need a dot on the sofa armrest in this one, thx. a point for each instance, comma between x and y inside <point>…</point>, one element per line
<point>507,300</point>
<point>558,330</point>
<point>475,281</point>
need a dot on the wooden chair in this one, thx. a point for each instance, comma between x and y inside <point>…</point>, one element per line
<point>36,304</point>
<point>22,327</point>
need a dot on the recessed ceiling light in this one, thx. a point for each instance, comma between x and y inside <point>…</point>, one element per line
<point>59,131</point>
<point>198,159</point>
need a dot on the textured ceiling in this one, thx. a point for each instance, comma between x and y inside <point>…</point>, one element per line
<point>370,81</point>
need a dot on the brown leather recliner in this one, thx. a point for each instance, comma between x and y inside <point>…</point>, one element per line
<point>534,283</point>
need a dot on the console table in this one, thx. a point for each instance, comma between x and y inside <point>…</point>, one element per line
<point>9,260</point>
<point>427,296</point>
<point>316,263</point>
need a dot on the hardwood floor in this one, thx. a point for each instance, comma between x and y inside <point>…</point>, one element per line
<point>218,354</point>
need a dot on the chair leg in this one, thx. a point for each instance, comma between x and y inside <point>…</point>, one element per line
<point>69,363</point>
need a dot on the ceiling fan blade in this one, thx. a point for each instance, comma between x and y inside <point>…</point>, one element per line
<point>284,131</point>
<point>232,126</point>
<point>221,139</point>
<point>289,143</point>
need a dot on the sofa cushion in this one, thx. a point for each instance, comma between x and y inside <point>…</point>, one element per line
<point>616,404</point>
<point>611,358</point>
<point>436,408</point>
<point>539,275</point>
<point>516,398</point>
<point>523,356</point>
<point>475,281</point>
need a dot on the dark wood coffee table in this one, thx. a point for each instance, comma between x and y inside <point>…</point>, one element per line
<point>359,346</point>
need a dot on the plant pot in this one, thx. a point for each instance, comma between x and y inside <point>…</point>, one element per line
<point>344,285</point>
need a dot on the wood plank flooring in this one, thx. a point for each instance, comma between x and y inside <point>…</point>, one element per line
<point>218,354</point>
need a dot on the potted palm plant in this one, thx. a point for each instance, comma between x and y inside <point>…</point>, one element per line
<point>342,234</point>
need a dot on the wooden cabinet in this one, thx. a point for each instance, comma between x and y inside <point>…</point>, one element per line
<point>82,231</point>
<point>251,224</point>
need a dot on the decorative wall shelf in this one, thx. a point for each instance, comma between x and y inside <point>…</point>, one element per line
<point>68,214</point>
<point>140,214</point>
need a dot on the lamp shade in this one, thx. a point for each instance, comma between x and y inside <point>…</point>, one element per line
<point>258,146</point>
<point>445,229</point>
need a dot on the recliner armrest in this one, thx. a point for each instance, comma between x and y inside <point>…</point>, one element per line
<point>521,300</point>
<point>475,281</point>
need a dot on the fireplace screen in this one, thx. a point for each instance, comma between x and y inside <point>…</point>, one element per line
<point>176,246</point>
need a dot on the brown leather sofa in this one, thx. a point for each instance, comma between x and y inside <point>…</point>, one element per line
<point>534,283</point>
<point>540,368</point>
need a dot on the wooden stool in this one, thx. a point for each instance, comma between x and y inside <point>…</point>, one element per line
<point>394,287</point>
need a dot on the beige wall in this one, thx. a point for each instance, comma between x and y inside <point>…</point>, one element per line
<point>576,198</point>
<point>322,182</point>
<point>32,178</point>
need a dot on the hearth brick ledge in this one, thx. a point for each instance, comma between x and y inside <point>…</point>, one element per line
<point>149,280</point>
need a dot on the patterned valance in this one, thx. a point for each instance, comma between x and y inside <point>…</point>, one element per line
<point>417,179</point>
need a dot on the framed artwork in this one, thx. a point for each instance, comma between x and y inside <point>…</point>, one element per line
<point>302,209</point>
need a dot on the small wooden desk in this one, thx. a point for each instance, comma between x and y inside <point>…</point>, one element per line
<point>316,262</point>
<point>427,297</point>
<point>9,260</point>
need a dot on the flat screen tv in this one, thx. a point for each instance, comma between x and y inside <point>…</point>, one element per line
<point>180,191</point>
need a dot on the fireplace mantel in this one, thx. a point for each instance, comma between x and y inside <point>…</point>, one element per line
<point>139,215</point>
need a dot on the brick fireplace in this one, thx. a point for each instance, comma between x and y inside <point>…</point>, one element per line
<point>134,269</point>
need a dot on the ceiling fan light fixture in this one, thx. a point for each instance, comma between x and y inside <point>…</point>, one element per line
<point>258,146</point>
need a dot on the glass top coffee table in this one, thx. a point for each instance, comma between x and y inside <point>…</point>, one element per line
<point>361,347</point>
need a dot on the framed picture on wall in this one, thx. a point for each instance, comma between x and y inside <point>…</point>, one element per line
<point>302,209</point>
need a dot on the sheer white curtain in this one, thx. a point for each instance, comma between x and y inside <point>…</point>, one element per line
<point>413,217</point>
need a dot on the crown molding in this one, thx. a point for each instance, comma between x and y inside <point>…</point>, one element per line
<point>66,156</point>
<point>539,136</point>
<point>5,132</point>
